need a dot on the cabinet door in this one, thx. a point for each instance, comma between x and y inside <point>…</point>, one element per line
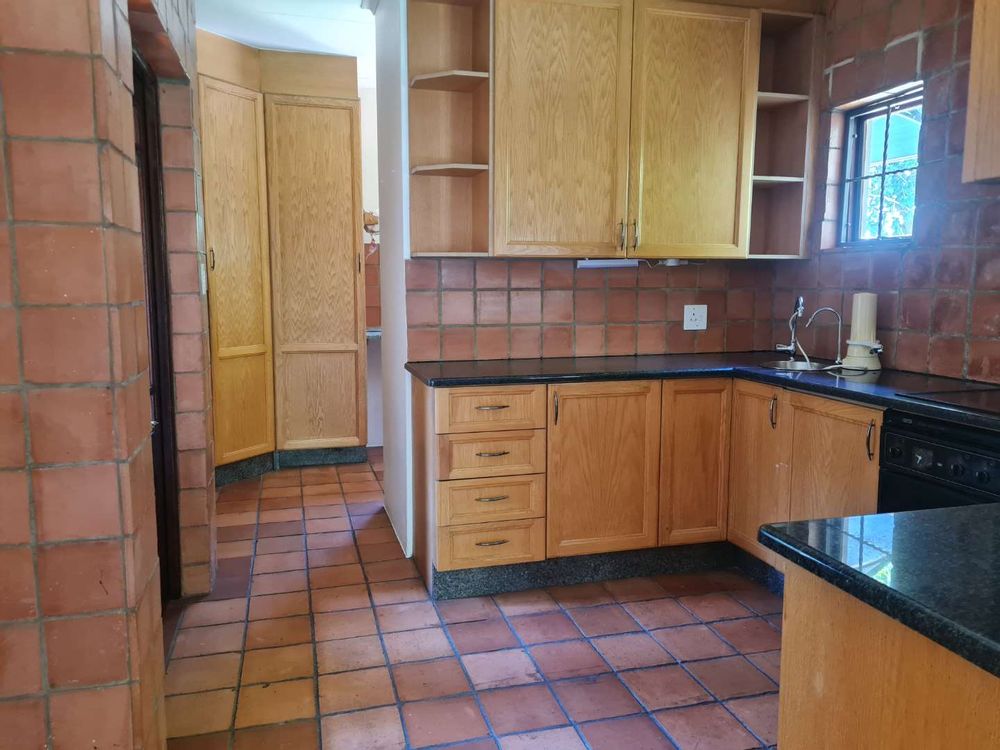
<point>314,189</point>
<point>835,448</point>
<point>603,461</point>
<point>694,460</point>
<point>239,287</point>
<point>982,136</point>
<point>694,83</point>
<point>758,464</point>
<point>562,72</point>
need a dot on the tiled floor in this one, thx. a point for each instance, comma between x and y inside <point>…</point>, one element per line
<point>320,635</point>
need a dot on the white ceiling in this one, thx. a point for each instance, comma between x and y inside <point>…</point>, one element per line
<point>332,26</point>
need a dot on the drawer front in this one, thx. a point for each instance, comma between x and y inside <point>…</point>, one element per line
<point>480,500</point>
<point>483,544</point>
<point>512,407</point>
<point>491,454</point>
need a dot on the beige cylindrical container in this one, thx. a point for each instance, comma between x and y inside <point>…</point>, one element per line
<point>863,314</point>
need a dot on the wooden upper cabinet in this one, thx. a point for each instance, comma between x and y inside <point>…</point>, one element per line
<point>834,449</point>
<point>694,83</point>
<point>603,461</point>
<point>239,287</point>
<point>694,460</point>
<point>314,177</point>
<point>562,75</point>
<point>982,136</point>
<point>760,452</point>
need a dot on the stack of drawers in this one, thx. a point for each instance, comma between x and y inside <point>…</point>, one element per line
<point>489,472</point>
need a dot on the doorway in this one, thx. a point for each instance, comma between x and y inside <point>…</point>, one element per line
<point>161,385</point>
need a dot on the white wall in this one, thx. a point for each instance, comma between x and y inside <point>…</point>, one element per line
<point>369,147</point>
<point>390,41</point>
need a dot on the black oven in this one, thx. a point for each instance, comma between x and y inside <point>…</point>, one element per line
<point>930,463</point>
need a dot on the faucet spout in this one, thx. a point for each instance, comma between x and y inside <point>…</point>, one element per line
<point>840,329</point>
<point>790,348</point>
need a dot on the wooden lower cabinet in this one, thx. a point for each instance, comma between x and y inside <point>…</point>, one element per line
<point>760,455</point>
<point>694,460</point>
<point>834,457</point>
<point>603,466</point>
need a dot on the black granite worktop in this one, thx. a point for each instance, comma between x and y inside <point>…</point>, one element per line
<point>936,571</point>
<point>888,388</point>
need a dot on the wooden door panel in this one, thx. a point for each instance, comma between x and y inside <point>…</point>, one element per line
<point>603,463</point>
<point>562,73</point>
<point>694,96</point>
<point>314,192</point>
<point>694,460</point>
<point>239,289</point>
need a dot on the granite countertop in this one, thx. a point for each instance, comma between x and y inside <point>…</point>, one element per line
<point>936,571</point>
<point>888,388</point>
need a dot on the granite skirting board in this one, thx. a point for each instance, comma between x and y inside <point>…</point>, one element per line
<point>249,468</point>
<point>566,571</point>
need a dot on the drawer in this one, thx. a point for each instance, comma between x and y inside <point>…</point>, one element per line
<point>483,544</point>
<point>480,500</point>
<point>491,454</point>
<point>511,407</point>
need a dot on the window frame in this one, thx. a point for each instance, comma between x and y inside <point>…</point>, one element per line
<point>850,201</point>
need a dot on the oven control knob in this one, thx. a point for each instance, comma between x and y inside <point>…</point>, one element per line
<point>895,451</point>
<point>956,470</point>
<point>983,477</point>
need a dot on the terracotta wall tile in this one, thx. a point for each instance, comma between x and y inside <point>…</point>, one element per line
<point>76,502</point>
<point>48,96</point>
<point>17,585</point>
<point>60,265</point>
<point>71,424</point>
<point>54,25</point>
<point>11,431</point>
<point>55,181</point>
<point>99,717</point>
<point>24,724</point>
<point>14,511</point>
<point>65,344</point>
<point>80,578</point>
<point>103,660</point>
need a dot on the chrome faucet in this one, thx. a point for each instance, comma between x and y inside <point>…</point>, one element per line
<point>793,321</point>
<point>840,328</point>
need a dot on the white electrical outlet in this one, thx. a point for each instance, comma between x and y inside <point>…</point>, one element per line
<point>695,317</point>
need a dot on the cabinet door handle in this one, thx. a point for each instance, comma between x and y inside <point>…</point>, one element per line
<point>635,234</point>
<point>497,543</point>
<point>495,499</point>
<point>492,454</point>
<point>211,258</point>
<point>556,420</point>
<point>492,407</point>
<point>868,441</point>
<point>773,412</point>
<point>621,236</point>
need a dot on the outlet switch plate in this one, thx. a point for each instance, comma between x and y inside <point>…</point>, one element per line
<point>695,317</point>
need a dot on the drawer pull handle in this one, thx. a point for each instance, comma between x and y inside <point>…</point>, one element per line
<point>497,543</point>
<point>496,499</point>
<point>492,454</point>
<point>493,407</point>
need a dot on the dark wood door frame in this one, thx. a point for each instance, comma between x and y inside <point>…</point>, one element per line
<point>161,371</point>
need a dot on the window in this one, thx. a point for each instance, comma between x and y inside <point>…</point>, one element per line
<point>880,173</point>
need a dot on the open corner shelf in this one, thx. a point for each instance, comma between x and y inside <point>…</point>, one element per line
<point>449,170</point>
<point>450,80</point>
<point>772,99</point>
<point>765,181</point>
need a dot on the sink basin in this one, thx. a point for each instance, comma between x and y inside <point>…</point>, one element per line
<point>792,364</point>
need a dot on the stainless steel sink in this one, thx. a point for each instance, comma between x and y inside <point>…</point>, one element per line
<point>792,364</point>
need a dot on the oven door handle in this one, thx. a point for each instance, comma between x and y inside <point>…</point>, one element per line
<point>868,441</point>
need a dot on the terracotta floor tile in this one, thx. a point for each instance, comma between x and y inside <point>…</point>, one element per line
<point>326,525</point>
<point>376,535</point>
<point>693,584</point>
<point>482,635</point>
<point>279,583</point>
<point>199,673</point>
<point>277,544</point>
<point>603,620</point>
<point>521,709</point>
<point>417,645</point>
<point>525,603</point>
<point>631,650</point>
<point>412,616</point>
<point>321,489</point>
<point>336,575</point>
<point>760,714</point>
<point>690,642</point>
<point>708,727</point>
<point>390,570</point>
<point>594,698</point>
<point>216,741</point>
<point>333,539</point>
<point>300,735</point>
<point>340,598</point>
<point>581,595</point>
<point>279,562</point>
<point>333,625</point>
<point>225,550</point>
<point>349,691</point>
<point>275,703</point>
<point>634,589</point>
<point>659,613</point>
<point>271,606</point>
<point>439,722</point>
<point>318,507</point>
<point>285,631</point>
<point>760,600</point>
<point>219,612</point>
<point>380,552</point>
<point>371,521</point>
<point>664,687</point>
<point>211,639</point>
<point>467,610</point>
<point>281,516</point>
<point>768,662</point>
<point>398,592</point>
<point>713,607</point>
<point>548,626</point>
<point>373,729</point>
<point>484,744</point>
<point>731,677</point>
<point>632,732</point>
<point>284,528</point>
<point>429,679</point>
<point>276,664</point>
<point>199,713</point>
<point>350,653</point>
<point>279,491</point>
<point>550,739</point>
<point>568,659</point>
<point>322,558</point>
<point>497,669</point>
<point>749,636</point>
<point>775,621</point>
<point>235,533</point>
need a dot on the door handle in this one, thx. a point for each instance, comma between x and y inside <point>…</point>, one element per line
<point>773,412</point>
<point>497,543</point>
<point>211,258</point>
<point>868,441</point>
<point>556,407</point>
<point>635,234</point>
<point>495,499</point>
<point>496,407</point>
<point>621,236</point>
<point>492,454</point>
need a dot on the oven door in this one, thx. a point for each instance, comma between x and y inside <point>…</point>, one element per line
<point>900,491</point>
